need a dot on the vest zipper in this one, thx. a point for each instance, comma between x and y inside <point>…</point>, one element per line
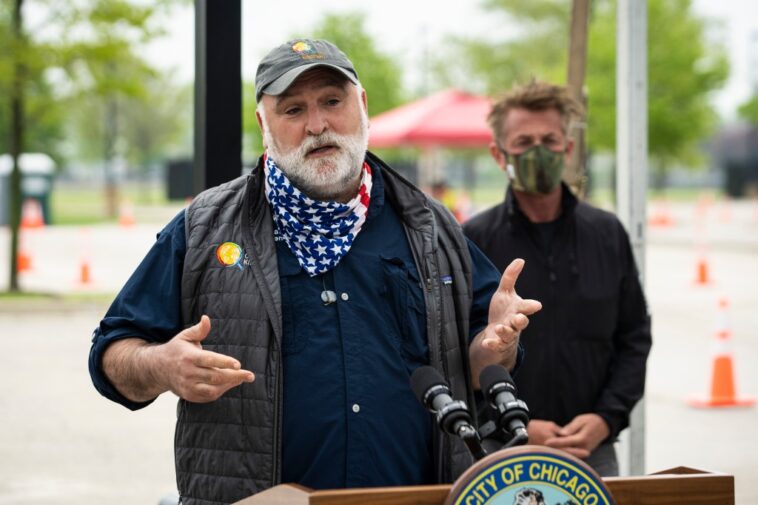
<point>438,440</point>
<point>278,400</point>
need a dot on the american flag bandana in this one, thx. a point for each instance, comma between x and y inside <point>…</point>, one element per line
<point>318,233</point>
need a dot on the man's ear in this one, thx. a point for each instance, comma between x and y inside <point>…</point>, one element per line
<point>260,121</point>
<point>364,100</point>
<point>498,156</point>
<point>569,147</point>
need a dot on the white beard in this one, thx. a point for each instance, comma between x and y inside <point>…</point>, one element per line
<point>325,178</point>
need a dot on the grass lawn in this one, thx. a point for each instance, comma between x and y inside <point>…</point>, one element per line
<point>83,205</point>
<point>487,196</point>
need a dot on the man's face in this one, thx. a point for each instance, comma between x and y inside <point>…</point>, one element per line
<point>526,128</point>
<point>317,132</point>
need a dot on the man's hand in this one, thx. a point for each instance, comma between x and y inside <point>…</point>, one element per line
<point>498,342</point>
<point>141,371</point>
<point>541,431</point>
<point>581,436</point>
<point>194,374</point>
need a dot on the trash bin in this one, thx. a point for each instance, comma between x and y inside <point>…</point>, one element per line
<point>179,179</point>
<point>37,172</point>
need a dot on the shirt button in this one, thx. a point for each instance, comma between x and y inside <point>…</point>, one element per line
<point>345,298</point>
<point>356,408</point>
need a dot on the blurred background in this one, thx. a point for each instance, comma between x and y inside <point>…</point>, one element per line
<point>96,102</point>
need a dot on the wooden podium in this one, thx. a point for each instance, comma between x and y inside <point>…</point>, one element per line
<point>677,486</point>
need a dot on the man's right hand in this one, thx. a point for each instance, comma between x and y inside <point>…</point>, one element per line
<point>540,431</point>
<point>141,371</point>
<point>194,374</point>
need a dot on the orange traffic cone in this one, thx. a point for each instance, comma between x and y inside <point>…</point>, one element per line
<point>661,216</point>
<point>702,276</point>
<point>85,273</point>
<point>126,214</point>
<point>24,257</point>
<point>85,277</point>
<point>31,214</point>
<point>723,389</point>
<point>702,272</point>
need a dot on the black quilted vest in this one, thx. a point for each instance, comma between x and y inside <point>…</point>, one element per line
<point>230,449</point>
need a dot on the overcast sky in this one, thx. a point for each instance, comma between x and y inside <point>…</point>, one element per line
<point>411,27</point>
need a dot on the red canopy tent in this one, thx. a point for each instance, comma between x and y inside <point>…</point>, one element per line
<point>450,118</point>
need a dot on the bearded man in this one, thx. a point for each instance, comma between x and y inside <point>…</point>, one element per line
<point>287,309</point>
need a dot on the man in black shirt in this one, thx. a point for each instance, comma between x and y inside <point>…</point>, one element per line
<point>586,352</point>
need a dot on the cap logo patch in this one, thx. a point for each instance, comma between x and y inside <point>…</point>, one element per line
<point>306,51</point>
<point>302,48</point>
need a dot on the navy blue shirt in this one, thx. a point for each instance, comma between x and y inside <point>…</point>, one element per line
<point>349,416</point>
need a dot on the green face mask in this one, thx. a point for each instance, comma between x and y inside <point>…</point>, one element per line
<point>536,170</point>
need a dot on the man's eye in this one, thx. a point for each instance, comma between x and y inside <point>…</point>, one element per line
<point>333,101</point>
<point>292,111</point>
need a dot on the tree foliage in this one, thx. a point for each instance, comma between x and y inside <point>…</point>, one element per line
<point>379,73</point>
<point>749,110</point>
<point>65,51</point>
<point>77,52</point>
<point>44,114</point>
<point>683,67</point>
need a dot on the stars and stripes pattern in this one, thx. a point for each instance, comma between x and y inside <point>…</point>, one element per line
<point>318,233</point>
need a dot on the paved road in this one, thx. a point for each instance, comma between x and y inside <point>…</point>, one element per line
<point>62,444</point>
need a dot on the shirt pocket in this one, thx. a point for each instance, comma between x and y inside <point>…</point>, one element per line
<point>404,314</point>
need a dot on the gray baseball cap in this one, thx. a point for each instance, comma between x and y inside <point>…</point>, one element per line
<point>283,64</point>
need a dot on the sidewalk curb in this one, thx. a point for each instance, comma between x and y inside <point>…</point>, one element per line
<point>52,305</point>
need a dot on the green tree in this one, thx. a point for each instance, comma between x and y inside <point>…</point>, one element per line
<point>158,124</point>
<point>380,74</point>
<point>74,47</point>
<point>536,48</point>
<point>683,68</point>
<point>18,45</point>
<point>106,65</point>
<point>43,111</point>
<point>749,110</point>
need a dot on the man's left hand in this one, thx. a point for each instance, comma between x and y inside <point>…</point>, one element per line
<point>508,316</point>
<point>581,436</point>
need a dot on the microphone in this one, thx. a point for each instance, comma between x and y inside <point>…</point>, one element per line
<point>452,416</point>
<point>328,297</point>
<point>500,392</point>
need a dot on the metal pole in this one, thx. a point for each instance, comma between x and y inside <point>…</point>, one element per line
<point>577,62</point>
<point>218,92</point>
<point>632,163</point>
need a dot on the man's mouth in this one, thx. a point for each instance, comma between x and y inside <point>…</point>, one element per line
<point>323,150</point>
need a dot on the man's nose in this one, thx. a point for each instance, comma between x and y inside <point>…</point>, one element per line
<point>317,123</point>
